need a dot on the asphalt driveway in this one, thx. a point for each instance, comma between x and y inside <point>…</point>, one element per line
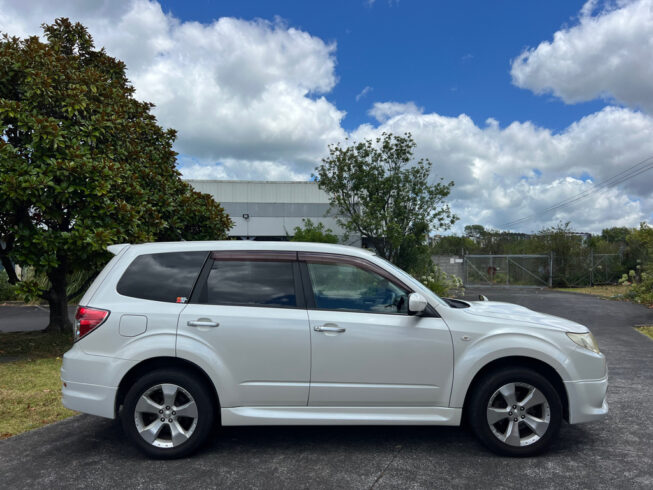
<point>27,318</point>
<point>85,451</point>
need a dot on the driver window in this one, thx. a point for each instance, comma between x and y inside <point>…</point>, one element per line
<point>347,287</point>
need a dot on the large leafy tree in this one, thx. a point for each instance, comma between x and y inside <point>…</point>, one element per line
<point>83,164</point>
<point>378,190</point>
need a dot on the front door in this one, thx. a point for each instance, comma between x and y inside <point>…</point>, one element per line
<point>366,349</point>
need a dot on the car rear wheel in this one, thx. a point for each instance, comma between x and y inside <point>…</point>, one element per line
<point>515,412</point>
<point>168,414</point>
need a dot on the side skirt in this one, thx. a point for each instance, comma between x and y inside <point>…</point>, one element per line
<point>341,416</point>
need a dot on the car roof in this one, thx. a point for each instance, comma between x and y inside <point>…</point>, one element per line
<point>187,246</point>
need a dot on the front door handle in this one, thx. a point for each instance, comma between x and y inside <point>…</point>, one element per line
<point>202,323</point>
<point>329,327</point>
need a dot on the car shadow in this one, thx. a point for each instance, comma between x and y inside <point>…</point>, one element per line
<point>265,440</point>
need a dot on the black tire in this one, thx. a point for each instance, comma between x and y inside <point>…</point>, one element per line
<point>484,392</point>
<point>197,391</point>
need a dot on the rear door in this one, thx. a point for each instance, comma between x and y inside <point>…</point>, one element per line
<point>248,309</point>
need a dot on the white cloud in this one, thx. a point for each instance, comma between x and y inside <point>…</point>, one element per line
<point>231,169</point>
<point>19,19</point>
<point>606,54</point>
<point>503,174</point>
<point>382,111</point>
<point>234,89</point>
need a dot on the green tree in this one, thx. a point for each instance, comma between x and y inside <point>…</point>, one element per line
<point>616,234</point>
<point>454,245</point>
<point>311,232</point>
<point>83,164</point>
<point>475,232</point>
<point>379,191</point>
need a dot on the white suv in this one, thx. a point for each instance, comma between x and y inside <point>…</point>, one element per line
<point>174,336</point>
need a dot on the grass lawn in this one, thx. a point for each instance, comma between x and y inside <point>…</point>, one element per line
<point>610,292</point>
<point>30,387</point>
<point>646,330</point>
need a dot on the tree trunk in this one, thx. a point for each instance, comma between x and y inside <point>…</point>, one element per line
<point>59,321</point>
<point>380,246</point>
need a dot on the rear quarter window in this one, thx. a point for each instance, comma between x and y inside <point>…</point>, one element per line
<point>162,277</point>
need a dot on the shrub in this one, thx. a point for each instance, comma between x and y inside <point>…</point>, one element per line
<point>440,282</point>
<point>642,292</point>
<point>7,291</point>
<point>312,232</point>
<point>641,280</point>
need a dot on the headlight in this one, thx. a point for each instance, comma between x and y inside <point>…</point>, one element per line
<point>586,340</point>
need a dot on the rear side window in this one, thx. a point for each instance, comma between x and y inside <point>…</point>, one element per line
<point>165,277</point>
<point>250,283</point>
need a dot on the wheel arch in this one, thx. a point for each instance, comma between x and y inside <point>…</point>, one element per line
<point>154,363</point>
<point>536,365</point>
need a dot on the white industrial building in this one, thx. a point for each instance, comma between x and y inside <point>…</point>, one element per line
<point>264,210</point>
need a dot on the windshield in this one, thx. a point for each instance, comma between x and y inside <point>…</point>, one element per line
<point>426,291</point>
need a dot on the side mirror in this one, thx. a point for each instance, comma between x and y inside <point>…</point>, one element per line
<point>416,303</point>
<point>482,298</point>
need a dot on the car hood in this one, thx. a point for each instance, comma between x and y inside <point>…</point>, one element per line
<point>521,314</point>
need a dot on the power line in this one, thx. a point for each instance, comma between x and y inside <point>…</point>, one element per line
<point>582,195</point>
<point>579,197</point>
<point>616,179</point>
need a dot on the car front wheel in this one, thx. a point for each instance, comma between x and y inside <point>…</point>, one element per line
<point>167,414</point>
<point>515,412</point>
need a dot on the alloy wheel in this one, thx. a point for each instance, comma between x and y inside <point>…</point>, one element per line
<point>518,414</point>
<point>166,415</point>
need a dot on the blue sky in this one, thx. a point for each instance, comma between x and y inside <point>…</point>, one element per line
<point>523,104</point>
<point>448,57</point>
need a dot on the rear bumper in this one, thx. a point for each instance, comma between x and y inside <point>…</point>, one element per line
<point>92,399</point>
<point>587,400</point>
<point>90,382</point>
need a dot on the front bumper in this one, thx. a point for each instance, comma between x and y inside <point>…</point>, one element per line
<point>90,382</point>
<point>587,400</point>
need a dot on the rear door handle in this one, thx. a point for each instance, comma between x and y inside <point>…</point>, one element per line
<point>202,323</point>
<point>329,327</point>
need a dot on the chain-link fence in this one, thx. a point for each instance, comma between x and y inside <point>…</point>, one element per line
<point>507,270</point>
<point>451,264</point>
<point>586,270</point>
<point>541,270</point>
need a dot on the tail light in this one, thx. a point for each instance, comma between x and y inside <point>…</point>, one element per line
<point>87,320</point>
